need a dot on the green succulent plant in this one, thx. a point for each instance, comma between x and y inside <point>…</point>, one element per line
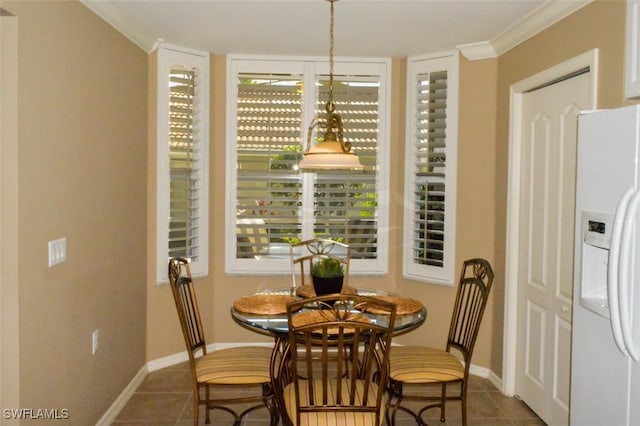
<point>328,267</point>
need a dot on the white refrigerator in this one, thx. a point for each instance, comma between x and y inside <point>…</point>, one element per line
<point>605,353</point>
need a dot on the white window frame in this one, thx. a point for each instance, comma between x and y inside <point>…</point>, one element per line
<point>168,54</point>
<point>445,61</point>
<point>309,66</point>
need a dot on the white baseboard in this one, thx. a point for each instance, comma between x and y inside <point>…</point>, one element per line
<point>487,374</point>
<point>497,381</point>
<point>167,361</point>
<point>117,406</point>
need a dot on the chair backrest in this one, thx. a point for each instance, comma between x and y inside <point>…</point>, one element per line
<point>341,358</point>
<point>305,253</point>
<point>184,296</point>
<point>473,292</point>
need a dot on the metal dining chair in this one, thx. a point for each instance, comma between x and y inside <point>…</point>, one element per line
<point>334,369</point>
<point>240,367</point>
<point>421,365</point>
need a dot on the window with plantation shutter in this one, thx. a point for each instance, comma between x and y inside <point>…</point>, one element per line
<point>269,189</point>
<point>430,167</point>
<point>182,158</point>
<point>345,203</point>
<point>270,202</point>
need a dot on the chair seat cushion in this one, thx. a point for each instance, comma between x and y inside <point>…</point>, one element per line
<point>417,364</point>
<point>243,365</point>
<point>342,418</point>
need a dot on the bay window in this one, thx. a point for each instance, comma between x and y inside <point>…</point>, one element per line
<point>270,203</point>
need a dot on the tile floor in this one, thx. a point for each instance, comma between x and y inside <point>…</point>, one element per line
<point>164,398</point>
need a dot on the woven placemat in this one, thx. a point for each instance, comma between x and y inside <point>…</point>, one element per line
<point>321,316</point>
<point>306,291</point>
<point>403,305</point>
<point>263,304</point>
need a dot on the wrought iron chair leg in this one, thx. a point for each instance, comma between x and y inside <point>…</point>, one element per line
<point>206,394</point>
<point>196,411</point>
<point>395,391</point>
<point>463,396</point>
<point>270,403</point>
<point>443,401</point>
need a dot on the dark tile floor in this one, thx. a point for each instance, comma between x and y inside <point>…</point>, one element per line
<point>164,398</point>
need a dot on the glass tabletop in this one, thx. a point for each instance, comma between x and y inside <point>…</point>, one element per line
<point>271,324</point>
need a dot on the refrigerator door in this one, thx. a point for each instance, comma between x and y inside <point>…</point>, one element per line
<point>599,374</point>
<point>634,394</point>
<point>600,371</point>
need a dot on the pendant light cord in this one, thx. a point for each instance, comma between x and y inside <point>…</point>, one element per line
<point>331,60</point>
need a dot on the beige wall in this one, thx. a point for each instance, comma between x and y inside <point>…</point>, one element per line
<point>81,164</point>
<point>599,25</point>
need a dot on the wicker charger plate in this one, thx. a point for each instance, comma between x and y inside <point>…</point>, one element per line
<point>321,316</point>
<point>306,291</point>
<point>263,304</point>
<point>403,305</point>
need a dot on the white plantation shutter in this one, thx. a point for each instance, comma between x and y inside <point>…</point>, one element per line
<point>183,165</point>
<point>430,179</point>
<point>271,202</point>
<point>345,203</point>
<point>182,223</point>
<point>269,145</point>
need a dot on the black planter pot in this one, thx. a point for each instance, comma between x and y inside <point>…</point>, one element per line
<point>324,286</point>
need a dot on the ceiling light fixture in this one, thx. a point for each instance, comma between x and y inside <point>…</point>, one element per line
<point>331,152</point>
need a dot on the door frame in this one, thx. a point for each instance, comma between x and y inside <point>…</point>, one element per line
<point>589,60</point>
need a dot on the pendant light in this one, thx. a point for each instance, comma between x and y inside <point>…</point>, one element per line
<point>331,152</point>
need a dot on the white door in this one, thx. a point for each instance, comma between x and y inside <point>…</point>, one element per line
<point>545,270</point>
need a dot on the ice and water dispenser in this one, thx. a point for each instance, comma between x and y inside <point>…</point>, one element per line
<point>596,242</point>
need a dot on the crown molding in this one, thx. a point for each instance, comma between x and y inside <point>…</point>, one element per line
<point>540,19</point>
<point>550,12</point>
<point>479,50</point>
<point>111,15</point>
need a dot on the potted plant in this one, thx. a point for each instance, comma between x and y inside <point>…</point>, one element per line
<point>327,276</point>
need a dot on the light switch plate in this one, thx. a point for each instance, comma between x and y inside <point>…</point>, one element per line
<point>94,341</point>
<point>57,251</point>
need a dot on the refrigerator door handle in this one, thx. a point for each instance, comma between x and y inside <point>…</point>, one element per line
<point>612,272</point>
<point>624,298</point>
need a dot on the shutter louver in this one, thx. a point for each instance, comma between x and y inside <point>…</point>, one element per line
<point>346,203</point>
<point>269,147</point>
<point>183,164</point>
<point>430,168</point>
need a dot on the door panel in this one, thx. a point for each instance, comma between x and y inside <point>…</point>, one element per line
<point>562,365</point>
<point>548,162</point>
<point>534,368</point>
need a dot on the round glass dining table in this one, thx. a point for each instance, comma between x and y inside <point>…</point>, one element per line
<point>276,323</point>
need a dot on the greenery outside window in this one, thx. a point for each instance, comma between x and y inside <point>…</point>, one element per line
<point>183,138</point>
<point>430,168</point>
<point>270,203</point>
